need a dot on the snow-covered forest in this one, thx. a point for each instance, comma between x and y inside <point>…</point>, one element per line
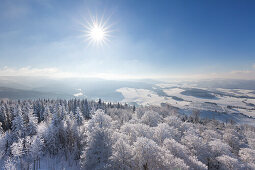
<point>81,134</point>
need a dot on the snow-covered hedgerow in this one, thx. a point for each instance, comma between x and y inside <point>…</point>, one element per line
<point>81,134</point>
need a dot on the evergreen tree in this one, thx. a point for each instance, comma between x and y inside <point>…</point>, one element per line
<point>31,123</point>
<point>18,128</point>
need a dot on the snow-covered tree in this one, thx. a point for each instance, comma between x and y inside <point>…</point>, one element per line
<point>2,145</point>
<point>47,115</point>
<point>219,148</point>
<point>231,137</point>
<point>209,135</point>
<point>228,163</point>
<point>163,131</point>
<point>9,164</point>
<point>30,123</point>
<point>17,150</point>
<point>196,145</point>
<point>151,118</point>
<point>182,152</point>
<point>85,109</point>
<point>248,155</point>
<point>122,154</point>
<point>18,129</point>
<point>36,149</point>
<point>148,155</point>
<point>133,131</point>
<point>99,146</point>
<point>6,141</point>
<point>78,116</point>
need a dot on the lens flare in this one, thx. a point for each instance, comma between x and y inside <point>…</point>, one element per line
<point>97,31</point>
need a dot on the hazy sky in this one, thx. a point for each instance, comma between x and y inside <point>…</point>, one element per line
<point>171,38</point>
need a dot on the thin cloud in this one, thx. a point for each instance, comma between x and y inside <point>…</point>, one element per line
<point>56,73</point>
<point>29,71</point>
<point>238,74</point>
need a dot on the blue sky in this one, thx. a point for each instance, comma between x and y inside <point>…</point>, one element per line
<point>149,39</point>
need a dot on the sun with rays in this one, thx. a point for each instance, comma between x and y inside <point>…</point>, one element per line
<point>97,31</point>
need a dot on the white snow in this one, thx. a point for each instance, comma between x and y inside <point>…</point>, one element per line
<point>140,96</point>
<point>227,104</point>
<point>78,94</point>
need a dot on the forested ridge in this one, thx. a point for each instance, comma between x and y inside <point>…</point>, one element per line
<point>81,134</point>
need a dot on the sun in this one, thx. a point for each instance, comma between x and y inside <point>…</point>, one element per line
<point>97,31</point>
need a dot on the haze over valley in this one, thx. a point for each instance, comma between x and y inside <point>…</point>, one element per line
<point>220,99</point>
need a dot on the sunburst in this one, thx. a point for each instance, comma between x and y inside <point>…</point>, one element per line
<point>97,31</point>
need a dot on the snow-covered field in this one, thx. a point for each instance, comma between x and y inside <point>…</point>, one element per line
<point>147,97</point>
<point>230,101</point>
<point>222,101</point>
<point>238,92</point>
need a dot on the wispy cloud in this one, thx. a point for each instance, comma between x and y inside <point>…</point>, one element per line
<point>29,71</point>
<point>57,73</point>
<point>238,74</point>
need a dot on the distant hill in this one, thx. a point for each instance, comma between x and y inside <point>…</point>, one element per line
<point>227,84</point>
<point>92,88</point>
<point>11,93</point>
